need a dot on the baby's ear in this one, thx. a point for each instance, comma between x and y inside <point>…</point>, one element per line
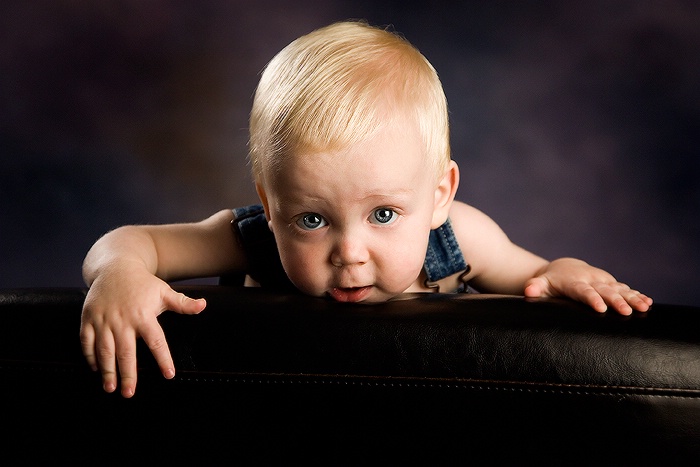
<point>444,195</point>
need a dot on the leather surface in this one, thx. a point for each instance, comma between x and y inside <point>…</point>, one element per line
<point>273,378</point>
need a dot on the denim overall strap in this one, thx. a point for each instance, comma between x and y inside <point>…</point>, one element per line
<point>254,236</point>
<point>444,257</point>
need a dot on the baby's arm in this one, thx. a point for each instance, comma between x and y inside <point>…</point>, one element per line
<point>126,271</point>
<point>500,266</point>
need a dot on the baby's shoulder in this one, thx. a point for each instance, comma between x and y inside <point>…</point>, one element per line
<point>476,232</point>
<point>465,217</point>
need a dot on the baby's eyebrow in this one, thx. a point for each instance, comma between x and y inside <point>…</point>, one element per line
<point>309,202</point>
<point>398,192</point>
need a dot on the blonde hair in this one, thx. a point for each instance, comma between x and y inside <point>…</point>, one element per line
<point>336,86</point>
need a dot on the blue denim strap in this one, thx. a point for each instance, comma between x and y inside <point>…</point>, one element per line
<point>444,257</point>
<point>258,243</point>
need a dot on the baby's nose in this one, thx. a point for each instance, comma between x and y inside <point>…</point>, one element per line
<point>349,249</point>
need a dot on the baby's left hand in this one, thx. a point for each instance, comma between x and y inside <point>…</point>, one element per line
<point>578,280</point>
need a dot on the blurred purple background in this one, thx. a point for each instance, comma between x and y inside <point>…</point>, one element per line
<point>576,124</point>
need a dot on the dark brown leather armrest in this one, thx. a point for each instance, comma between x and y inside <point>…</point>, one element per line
<point>268,378</point>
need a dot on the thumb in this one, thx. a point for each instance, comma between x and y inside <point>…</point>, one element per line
<point>181,303</point>
<point>537,287</point>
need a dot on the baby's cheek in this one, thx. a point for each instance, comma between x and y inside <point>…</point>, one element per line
<point>304,272</point>
<point>403,267</point>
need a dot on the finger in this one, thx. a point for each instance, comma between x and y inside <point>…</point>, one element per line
<point>536,287</point>
<point>104,348</point>
<point>181,303</point>
<point>87,343</point>
<point>154,337</point>
<point>590,296</point>
<point>648,301</point>
<point>638,301</point>
<point>615,295</point>
<point>618,303</point>
<point>126,360</point>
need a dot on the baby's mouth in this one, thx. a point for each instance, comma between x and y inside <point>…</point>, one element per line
<point>350,294</point>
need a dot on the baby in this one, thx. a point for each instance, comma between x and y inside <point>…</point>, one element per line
<point>349,148</point>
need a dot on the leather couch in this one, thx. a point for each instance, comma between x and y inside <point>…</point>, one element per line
<point>269,379</point>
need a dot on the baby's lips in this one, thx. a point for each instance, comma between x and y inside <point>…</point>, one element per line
<point>350,294</point>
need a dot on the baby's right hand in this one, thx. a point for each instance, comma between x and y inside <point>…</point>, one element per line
<point>120,307</point>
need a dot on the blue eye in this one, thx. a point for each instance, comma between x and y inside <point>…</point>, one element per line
<point>383,216</point>
<point>311,221</point>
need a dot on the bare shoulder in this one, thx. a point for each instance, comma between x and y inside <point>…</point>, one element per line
<point>218,234</point>
<point>480,238</point>
<point>469,223</point>
<point>497,264</point>
<point>198,249</point>
<point>220,219</point>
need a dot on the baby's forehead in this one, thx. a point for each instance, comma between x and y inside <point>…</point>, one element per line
<point>361,160</point>
<point>392,144</point>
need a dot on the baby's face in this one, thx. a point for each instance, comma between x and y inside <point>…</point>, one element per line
<point>354,224</point>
